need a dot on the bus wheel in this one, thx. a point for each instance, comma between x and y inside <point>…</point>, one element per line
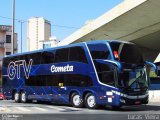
<point>17,97</point>
<point>76,100</point>
<point>90,101</point>
<point>23,97</point>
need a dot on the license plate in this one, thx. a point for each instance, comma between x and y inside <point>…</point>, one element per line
<point>137,102</point>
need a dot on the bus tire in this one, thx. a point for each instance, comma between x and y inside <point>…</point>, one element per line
<point>76,100</point>
<point>23,97</point>
<point>17,97</point>
<point>90,101</point>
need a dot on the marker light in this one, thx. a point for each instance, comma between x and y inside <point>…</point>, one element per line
<point>116,54</point>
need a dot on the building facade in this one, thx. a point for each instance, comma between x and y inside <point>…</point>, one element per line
<point>52,42</point>
<point>38,31</point>
<point>6,43</point>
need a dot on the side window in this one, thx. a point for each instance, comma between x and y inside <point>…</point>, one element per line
<point>8,53</point>
<point>8,38</point>
<point>62,55</point>
<point>106,73</point>
<point>99,51</point>
<point>48,57</point>
<point>77,54</point>
<point>34,81</point>
<point>54,80</point>
<point>78,80</point>
<point>45,80</point>
<point>36,57</point>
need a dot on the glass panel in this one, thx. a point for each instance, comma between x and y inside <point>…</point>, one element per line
<point>125,52</point>
<point>78,80</point>
<point>77,54</point>
<point>48,57</point>
<point>36,57</point>
<point>99,51</point>
<point>134,79</point>
<point>45,46</point>
<point>62,55</point>
<point>54,80</point>
<point>8,38</point>
<point>8,53</point>
<point>106,73</point>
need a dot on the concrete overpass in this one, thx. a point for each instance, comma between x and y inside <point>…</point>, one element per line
<point>137,21</point>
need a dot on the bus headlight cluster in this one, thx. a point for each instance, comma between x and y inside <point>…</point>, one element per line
<point>122,101</point>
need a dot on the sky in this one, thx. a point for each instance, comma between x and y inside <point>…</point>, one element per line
<point>66,16</point>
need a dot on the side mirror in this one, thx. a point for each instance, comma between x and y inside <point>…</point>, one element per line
<point>153,67</point>
<point>116,63</point>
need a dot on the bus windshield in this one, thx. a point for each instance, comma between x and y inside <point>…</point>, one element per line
<point>126,52</point>
<point>134,79</point>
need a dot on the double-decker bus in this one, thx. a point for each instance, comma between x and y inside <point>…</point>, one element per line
<point>84,74</point>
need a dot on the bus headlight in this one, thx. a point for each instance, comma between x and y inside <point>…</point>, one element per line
<point>122,101</point>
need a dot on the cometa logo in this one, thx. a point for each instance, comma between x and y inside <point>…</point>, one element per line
<point>66,68</point>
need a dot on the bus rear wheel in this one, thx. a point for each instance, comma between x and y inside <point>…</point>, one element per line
<point>90,101</point>
<point>23,97</point>
<point>76,100</point>
<point>17,97</point>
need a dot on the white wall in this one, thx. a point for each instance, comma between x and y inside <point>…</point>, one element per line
<point>154,96</point>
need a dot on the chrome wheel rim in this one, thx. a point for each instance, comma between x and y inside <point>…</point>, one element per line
<point>91,101</point>
<point>16,97</point>
<point>23,97</point>
<point>76,100</point>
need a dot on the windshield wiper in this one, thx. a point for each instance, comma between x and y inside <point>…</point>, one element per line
<point>137,79</point>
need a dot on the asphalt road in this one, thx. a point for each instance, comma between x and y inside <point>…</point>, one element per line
<point>42,111</point>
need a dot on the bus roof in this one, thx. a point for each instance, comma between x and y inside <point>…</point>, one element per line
<point>70,45</point>
<point>109,41</point>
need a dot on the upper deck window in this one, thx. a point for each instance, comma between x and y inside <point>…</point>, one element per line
<point>77,54</point>
<point>48,57</point>
<point>36,57</point>
<point>125,52</point>
<point>99,51</point>
<point>62,55</point>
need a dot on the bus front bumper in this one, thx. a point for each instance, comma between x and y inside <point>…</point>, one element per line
<point>134,100</point>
